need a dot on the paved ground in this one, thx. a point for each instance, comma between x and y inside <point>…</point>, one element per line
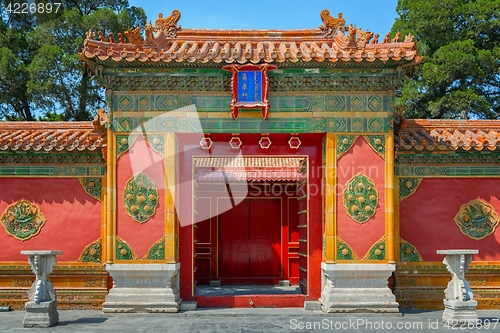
<point>247,321</point>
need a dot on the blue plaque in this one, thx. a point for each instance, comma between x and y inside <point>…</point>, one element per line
<point>250,86</point>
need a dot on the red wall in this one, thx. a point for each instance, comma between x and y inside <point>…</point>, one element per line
<point>73,216</point>
<point>140,237</point>
<point>360,158</point>
<point>426,217</point>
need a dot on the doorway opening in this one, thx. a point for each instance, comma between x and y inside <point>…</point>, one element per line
<point>254,239</point>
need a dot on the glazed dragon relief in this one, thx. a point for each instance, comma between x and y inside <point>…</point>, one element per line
<point>477,219</point>
<point>23,220</point>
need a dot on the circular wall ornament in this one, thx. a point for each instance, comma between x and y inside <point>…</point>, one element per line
<point>140,197</point>
<point>360,198</point>
<point>23,220</point>
<point>477,219</point>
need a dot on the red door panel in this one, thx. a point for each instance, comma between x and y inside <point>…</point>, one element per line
<point>233,235</point>
<point>265,238</point>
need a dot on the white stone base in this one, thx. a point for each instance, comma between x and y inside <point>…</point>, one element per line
<point>357,288</point>
<point>43,314</point>
<point>312,305</point>
<point>143,288</point>
<point>189,306</point>
<point>460,312</point>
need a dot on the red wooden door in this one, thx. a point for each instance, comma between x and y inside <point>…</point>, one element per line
<point>233,238</point>
<point>265,237</point>
<point>249,240</point>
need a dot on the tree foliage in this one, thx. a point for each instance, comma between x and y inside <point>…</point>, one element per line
<point>460,42</point>
<point>41,75</point>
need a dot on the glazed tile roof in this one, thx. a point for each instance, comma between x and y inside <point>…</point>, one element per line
<point>50,136</point>
<point>247,168</point>
<point>173,46</point>
<point>427,135</point>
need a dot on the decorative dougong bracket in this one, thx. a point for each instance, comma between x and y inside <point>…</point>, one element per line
<point>459,305</point>
<point>41,310</point>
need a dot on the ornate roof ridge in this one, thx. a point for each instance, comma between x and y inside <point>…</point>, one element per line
<point>49,125</point>
<point>452,123</point>
<point>166,42</point>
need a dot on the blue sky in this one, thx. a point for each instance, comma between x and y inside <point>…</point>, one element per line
<point>377,16</point>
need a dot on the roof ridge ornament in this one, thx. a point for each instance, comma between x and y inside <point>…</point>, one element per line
<point>363,37</point>
<point>332,25</point>
<point>100,122</point>
<point>168,26</point>
<point>134,35</point>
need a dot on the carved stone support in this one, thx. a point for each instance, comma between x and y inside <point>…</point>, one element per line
<point>41,309</point>
<point>143,288</point>
<point>459,306</point>
<point>357,288</point>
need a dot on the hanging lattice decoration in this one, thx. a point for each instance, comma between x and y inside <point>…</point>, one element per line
<point>140,197</point>
<point>23,220</point>
<point>477,219</point>
<point>360,198</point>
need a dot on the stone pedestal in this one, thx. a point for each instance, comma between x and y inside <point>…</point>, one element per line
<point>459,306</point>
<point>357,288</point>
<point>41,310</point>
<point>143,288</point>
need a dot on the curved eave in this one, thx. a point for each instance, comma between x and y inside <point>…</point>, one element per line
<point>127,63</point>
<point>202,51</point>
